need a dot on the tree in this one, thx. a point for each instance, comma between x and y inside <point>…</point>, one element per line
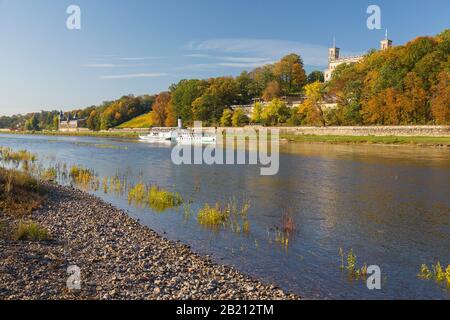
<point>316,76</point>
<point>221,93</point>
<point>55,122</point>
<point>159,112</point>
<point>261,77</point>
<point>272,91</point>
<point>310,111</point>
<point>225,120</point>
<point>239,118</point>
<point>93,121</point>
<point>184,94</point>
<point>413,105</point>
<point>276,112</point>
<point>246,88</point>
<point>32,124</point>
<point>257,110</point>
<point>290,73</point>
<point>171,118</point>
<point>440,102</point>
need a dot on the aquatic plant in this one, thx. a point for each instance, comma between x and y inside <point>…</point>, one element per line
<point>352,268</point>
<point>105,185</point>
<point>83,177</point>
<point>160,199</point>
<point>228,215</point>
<point>49,174</point>
<point>447,274</point>
<point>187,211</point>
<point>32,231</point>
<point>425,273</point>
<point>436,273</point>
<point>116,185</point>
<point>154,197</point>
<point>137,193</point>
<point>246,226</point>
<point>341,254</point>
<point>287,222</point>
<point>212,216</point>
<point>281,238</point>
<point>16,156</point>
<point>351,261</point>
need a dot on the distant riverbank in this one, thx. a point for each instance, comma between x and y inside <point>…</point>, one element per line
<point>427,136</point>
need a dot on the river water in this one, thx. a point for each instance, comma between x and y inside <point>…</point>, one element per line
<point>391,205</point>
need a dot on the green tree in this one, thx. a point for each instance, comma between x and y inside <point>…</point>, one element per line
<point>246,88</point>
<point>93,121</point>
<point>316,76</point>
<point>184,94</point>
<point>290,73</point>
<point>225,120</point>
<point>239,118</point>
<point>32,124</point>
<point>221,93</point>
<point>257,110</point>
<point>276,112</point>
<point>310,111</point>
<point>55,123</point>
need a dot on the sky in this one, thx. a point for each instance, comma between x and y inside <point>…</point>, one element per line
<point>144,46</point>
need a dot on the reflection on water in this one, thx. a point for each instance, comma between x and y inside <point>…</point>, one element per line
<point>391,205</point>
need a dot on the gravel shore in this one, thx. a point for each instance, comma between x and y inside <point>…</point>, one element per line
<point>118,259</point>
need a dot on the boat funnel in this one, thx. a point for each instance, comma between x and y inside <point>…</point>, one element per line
<point>180,124</point>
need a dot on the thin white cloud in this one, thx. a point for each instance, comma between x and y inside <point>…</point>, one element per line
<point>230,59</point>
<point>244,65</point>
<point>246,59</point>
<point>135,75</point>
<point>198,55</point>
<point>137,58</point>
<point>99,65</point>
<point>316,55</point>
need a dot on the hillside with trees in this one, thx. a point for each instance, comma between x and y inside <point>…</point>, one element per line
<point>404,85</point>
<point>407,84</point>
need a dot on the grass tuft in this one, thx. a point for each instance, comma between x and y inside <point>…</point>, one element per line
<point>32,231</point>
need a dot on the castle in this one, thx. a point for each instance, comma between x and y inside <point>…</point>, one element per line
<point>70,125</point>
<point>335,60</point>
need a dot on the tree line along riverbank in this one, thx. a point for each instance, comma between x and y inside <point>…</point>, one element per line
<point>294,135</point>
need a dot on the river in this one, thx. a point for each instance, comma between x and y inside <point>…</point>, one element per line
<point>391,205</point>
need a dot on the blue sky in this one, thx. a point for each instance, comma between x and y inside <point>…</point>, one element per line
<point>143,46</point>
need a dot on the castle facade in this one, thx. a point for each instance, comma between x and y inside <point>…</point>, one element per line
<point>335,60</point>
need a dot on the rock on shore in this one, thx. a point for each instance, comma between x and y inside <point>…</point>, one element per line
<point>118,259</point>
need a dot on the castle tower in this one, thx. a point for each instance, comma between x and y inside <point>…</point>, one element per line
<point>333,53</point>
<point>386,43</point>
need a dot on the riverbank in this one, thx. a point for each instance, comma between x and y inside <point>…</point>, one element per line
<point>118,258</point>
<point>378,140</point>
<point>297,135</point>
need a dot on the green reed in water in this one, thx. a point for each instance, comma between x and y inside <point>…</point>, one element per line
<point>8,154</point>
<point>225,216</point>
<point>352,268</point>
<point>84,178</point>
<point>154,197</point>
<point>437,273</point>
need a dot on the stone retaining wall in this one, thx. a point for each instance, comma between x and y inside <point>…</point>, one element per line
<point>423,131</point>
